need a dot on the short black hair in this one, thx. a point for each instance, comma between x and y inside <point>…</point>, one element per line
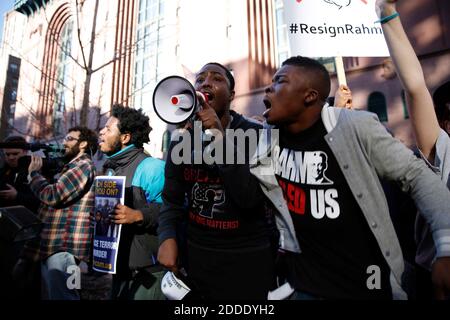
<point>89,136</point>
<point>441,100</point>
<point>134,122</point>
<point>18,139</point>
<point>227,73</point>
<point>321,79</point>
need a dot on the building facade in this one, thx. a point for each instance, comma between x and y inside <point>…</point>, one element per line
<point>66,62</point>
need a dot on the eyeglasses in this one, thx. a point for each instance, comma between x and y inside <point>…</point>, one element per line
<point>70,138</point>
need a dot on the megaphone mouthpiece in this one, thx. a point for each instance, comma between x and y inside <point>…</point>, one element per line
<point>175,100</point>
<point>183,101</point>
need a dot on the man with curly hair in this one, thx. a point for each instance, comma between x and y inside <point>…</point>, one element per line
<point>138,273</point>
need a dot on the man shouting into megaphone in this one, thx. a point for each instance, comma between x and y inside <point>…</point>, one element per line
<point>227,242</point>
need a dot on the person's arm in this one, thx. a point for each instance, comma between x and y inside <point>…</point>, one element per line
<point>343,97</point>
<point>147,185</point>
<point>395,162</point>
<point>72,184</point>
<point>172,210</point>
<point>420,104</point>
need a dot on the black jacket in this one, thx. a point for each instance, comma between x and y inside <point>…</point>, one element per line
<point>18,178</point>
<point>138,245</point>
<point>224,206</point>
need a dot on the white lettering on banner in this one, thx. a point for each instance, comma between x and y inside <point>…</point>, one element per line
<point>334,28</point>
<point>323,203</point>
<point>100,254</point>
<point>307,168</point>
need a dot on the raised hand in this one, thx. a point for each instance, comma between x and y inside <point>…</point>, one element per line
<point>35,164</point>
<point>343,97</point>
<point>208,116</point>
<point>385,8</point>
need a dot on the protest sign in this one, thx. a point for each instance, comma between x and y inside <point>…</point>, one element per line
<point>109,191</point>
<point>331,28</point>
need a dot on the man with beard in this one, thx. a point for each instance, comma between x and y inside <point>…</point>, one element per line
<point>138,274</point>
<point>65,210</point>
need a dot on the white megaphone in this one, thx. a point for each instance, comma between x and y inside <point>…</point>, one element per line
<point>175,100</point>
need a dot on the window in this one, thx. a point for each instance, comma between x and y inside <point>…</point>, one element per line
<point>149,40</point>
<point>377,103</point>
<point>59,106</point>
<point>13,67</point>
<point>13,95</point>
<point>282,47</point>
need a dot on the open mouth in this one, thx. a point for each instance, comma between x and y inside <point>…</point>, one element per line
<point>268,105</point>
<point>208,95</point>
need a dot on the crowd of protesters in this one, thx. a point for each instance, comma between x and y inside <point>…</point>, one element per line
<point>312,208</point>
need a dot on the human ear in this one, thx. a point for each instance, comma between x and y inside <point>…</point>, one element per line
<point>83,145</point>
<point>231,98</point>
<point>125,138</point>
<point>311,96</point>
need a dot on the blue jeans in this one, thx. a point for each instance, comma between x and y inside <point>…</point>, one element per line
<point>54,277</point>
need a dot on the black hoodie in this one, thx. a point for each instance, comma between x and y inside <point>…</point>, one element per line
<point>224,210</point>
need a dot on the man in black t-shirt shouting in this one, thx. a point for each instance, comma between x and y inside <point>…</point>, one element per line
<point>228,245</point>
<point>322,176</point>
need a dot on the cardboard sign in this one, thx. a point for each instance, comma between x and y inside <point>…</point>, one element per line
<point>329,28</point>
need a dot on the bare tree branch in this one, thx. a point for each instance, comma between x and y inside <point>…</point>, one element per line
<point>59,45</point>
<point>36,67</point>
<point>79,36</point>
<point>104,65</point>
<point>87,83</point>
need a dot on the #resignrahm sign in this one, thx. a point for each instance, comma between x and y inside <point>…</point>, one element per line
<point>330,28</point>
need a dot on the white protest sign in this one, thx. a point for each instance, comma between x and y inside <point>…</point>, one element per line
<point>329,28</point>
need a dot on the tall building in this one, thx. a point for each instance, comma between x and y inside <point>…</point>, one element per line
<point>63,61</point>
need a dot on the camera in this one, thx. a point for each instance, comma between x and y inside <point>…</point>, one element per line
<point>49,165</point>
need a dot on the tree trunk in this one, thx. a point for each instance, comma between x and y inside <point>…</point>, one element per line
<point>87,83</point>
<point>85,104</point>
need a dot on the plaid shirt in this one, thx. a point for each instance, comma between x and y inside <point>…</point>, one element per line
<point>65,209</point>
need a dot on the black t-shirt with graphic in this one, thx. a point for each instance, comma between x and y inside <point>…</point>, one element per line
<point>214,219</point>
<point>340,257</point>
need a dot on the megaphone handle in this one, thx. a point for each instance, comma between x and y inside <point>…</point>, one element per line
<point>202,99</point>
